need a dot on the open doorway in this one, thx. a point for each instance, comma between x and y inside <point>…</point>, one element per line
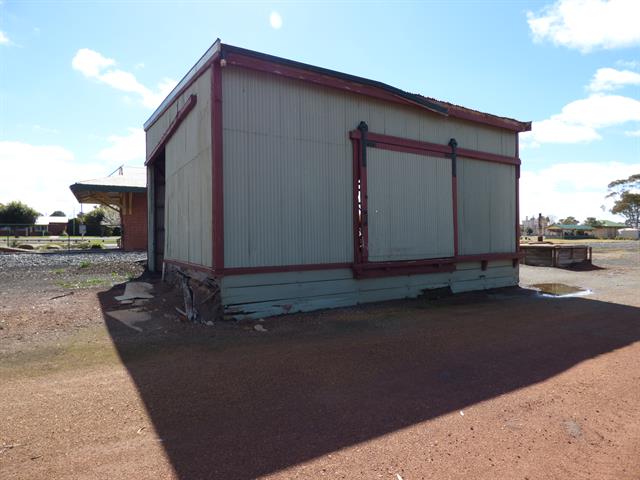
<point>158,212</point>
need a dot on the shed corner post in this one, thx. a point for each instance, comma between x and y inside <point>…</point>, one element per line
<point>453,144</point>
<point>517,181</point>
<point>217,194</point>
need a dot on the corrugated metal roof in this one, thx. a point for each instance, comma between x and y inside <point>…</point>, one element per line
<point>127,179</point>
<point>609,223</point>
<point>570,227</point>
<point>48,220</point>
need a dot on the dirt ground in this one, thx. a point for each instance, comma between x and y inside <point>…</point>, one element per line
<point>502,384</point>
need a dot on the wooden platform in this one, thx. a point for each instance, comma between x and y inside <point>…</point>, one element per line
<point>553,255</point>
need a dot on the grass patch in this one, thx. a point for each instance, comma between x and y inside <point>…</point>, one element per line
<point>84,264</point>
<point>88,283</point>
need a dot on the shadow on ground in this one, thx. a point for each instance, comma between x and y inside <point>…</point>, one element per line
<point>246,404</point>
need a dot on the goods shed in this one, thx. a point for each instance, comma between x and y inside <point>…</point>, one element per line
<point>294,187</point>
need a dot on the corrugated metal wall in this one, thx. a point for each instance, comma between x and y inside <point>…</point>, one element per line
<point>287,164</point>
<point>409,205</point>
<point>287,187</point>
<point>188,235</point>
<point>486,207</point>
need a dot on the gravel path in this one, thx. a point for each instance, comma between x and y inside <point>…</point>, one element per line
<point>57,260</point>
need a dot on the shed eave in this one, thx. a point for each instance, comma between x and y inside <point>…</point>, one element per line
<point>193,73</point>
<point>433,105</point>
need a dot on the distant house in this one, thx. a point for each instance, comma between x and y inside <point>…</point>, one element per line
<point>570,231</point>
<point>49,226</point>
<point>608,229</point>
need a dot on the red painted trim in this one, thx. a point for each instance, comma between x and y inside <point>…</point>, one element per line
<point>327,80</point>
<point>283,268</point>
<point>363,270</point>
<point>518,197</point>
<point>400,148</point>
<point>193,266</point>
<point>402,142</point>
<point>216,167</point>
<point>374,270</point>
<point>172,128</point>
<point>487,257</point>
<point>454,195</point>
<point>488,157</point>
<point>428,148</point>
<point>364,203</point>
<point>487,119</point>
<point>262,65</point>
<point>196,75</point>
<point>355,208</point>
<point>405,263</point>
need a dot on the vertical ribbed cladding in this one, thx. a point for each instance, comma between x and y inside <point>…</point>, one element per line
<point>486,207</point>
<point>410,208</point>
<point>287,176</point>
<point>287,165</point>
<point>188,180</point>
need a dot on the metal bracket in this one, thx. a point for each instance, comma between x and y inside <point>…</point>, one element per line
<point>454,156</point>
<point>364,129</point>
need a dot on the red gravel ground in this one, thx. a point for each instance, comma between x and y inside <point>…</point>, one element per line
<point>504,384</point>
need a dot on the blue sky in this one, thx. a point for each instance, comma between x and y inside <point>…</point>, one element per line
<point>78,79</point>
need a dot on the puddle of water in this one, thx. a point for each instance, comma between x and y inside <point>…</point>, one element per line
<point>560,290</point>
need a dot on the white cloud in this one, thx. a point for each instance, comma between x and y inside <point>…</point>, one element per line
<point>275,20</point>
<point>586,25</point>
<point>90,63</point>
<point>93,64</point>
<point>580,120</point>
<point>612,79</point>
<point>40,175</point>
<point>577,189</point>
<point>632,133</point>
<point>124,149</point>
<point>4,40</point>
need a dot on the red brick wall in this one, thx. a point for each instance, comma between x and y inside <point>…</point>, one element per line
<point>56,228</point>
<point>134,225</point>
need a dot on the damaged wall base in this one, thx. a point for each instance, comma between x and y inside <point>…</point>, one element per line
<point>201,293</point>
<point>262,295</point>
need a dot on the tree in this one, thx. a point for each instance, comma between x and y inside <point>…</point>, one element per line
<point>593,222</point>
<point>628,205</point>
<point>568,221</point>
<point>618,187</point>
<point>18,213</point>
<point>93,221</point>
<point>58,213</point>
